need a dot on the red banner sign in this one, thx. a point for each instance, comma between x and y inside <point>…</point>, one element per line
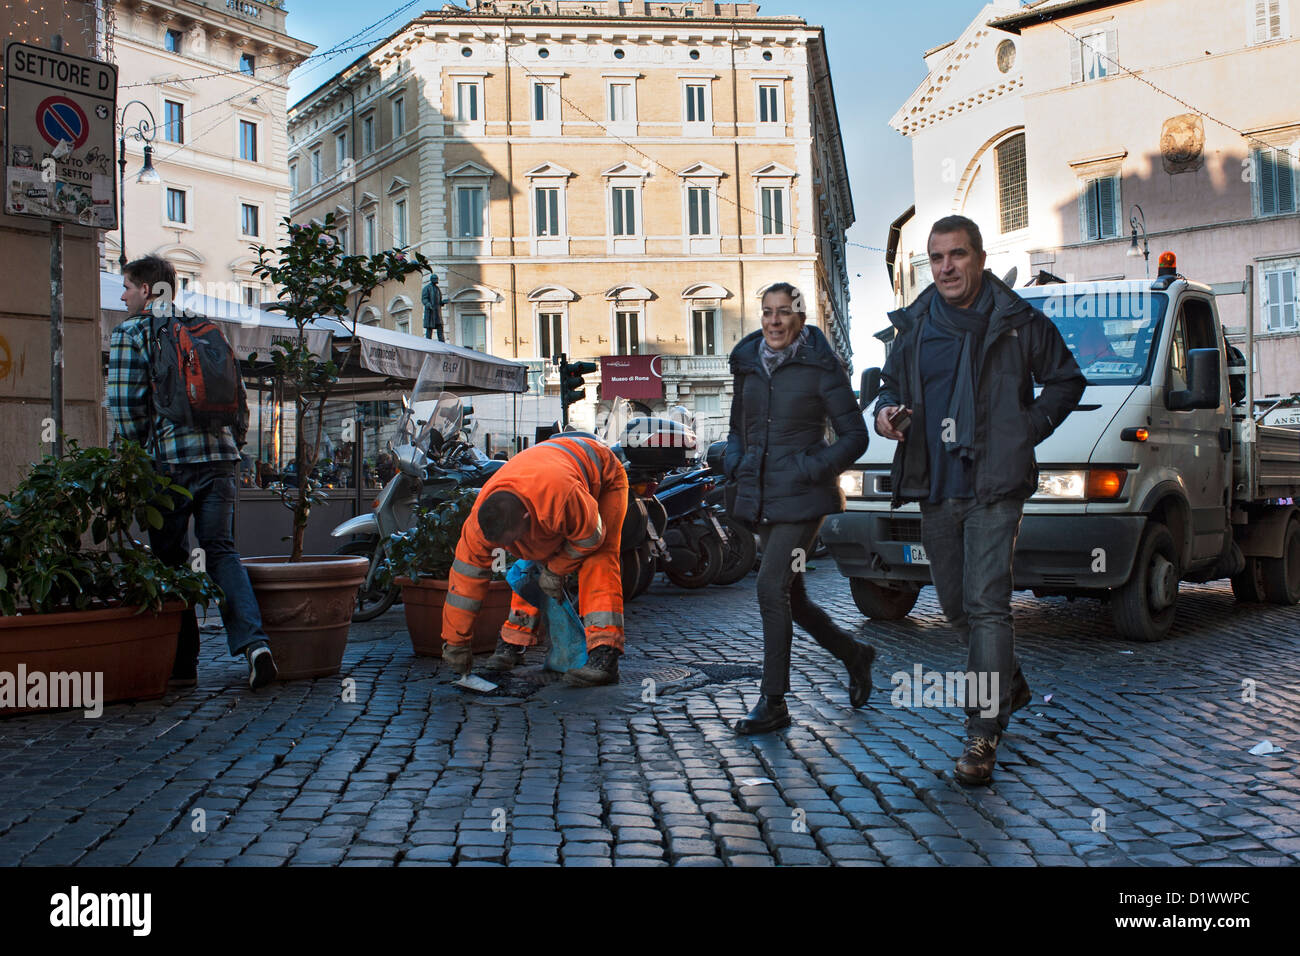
<point>631,376</point>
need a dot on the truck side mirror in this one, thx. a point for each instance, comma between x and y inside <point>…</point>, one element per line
<point>1203,382</point>
<point>869,387</point>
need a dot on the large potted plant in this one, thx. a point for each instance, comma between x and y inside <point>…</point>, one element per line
<point>421,561</point>
<point>81,599</point>
<point>307,600</point>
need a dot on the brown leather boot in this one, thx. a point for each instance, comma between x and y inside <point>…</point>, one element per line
<point>975,765</point>
<point>505,657</point>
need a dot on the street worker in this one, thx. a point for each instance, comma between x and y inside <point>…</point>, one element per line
<point>560,503</point>
<point>789,384</point>
<point>200,458</point>
<point>958,397</point>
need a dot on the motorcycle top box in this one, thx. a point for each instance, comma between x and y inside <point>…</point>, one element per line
<point>657,443</point>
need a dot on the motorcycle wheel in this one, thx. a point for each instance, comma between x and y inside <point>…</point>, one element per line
<point>740,553</point>
<point>708,560</point>
<point>373,601</point>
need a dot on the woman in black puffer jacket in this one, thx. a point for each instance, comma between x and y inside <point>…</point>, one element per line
<point>788,384</point>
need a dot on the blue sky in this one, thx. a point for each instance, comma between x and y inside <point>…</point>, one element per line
<point>875,53</point>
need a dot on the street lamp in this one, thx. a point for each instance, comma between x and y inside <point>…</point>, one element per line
<point>1145,250</point>
<point>144,132</point>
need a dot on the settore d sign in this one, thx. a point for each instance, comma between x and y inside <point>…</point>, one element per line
<point>60,111</point>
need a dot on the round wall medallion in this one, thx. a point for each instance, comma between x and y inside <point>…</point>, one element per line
<point>1006,55</point>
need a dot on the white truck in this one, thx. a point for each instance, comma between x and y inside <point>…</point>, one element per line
<point>1158,476</point>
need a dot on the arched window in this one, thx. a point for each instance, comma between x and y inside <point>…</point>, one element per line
<point>1013,188</point>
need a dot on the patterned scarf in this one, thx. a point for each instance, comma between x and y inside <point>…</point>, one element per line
<point>773,358</point>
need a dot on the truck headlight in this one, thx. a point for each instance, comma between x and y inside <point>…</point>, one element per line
<point>1072,485</point>
<point>851,484</point>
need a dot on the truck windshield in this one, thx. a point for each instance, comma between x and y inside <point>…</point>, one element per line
<point>1110,331</point>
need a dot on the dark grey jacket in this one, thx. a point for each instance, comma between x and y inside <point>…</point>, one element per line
<point>1009,421</point>
<point>777,453</point>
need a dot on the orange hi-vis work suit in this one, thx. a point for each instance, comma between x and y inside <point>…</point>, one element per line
<point>575,491</point>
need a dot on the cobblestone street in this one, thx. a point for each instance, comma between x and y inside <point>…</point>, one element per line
<point>1140,756</point>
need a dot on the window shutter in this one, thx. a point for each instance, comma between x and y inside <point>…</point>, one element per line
<point>1261,20</point>
<point>1110,62</point>
<point>1285,167</point>
<point>1272,303</point>
<point>1092,212</point>
<point>1288,310</point>
<point>1266,173</point>
<point>1076,60</point>
<point>1108,214</point>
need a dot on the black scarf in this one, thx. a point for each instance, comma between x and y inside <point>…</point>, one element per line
<point>970,324</point>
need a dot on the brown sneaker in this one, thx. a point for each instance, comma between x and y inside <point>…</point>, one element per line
<point>505,657</point>
<point>975,765</point>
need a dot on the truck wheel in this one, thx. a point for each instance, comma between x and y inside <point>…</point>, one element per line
<point>1144,606</point>
<point>1282,575</point>
<point>1248,586</point>
<point>884,603</point>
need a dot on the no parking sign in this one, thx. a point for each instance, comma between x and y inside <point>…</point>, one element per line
<point>60,111</point>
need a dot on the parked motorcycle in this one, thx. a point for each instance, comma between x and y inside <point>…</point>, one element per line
<point>740,548</point>
<point>695,537</point>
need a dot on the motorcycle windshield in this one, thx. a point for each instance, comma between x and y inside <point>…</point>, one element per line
<point>620,413</point>
<point>432,410</point>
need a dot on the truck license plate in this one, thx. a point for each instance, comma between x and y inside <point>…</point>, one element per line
<point>914,554</point>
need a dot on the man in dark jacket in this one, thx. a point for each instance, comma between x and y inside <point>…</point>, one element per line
<point>789,385</point>
<point>960,371</point>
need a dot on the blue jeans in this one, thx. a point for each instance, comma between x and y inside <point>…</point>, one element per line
<point>971,546</point>
<point>213,508</point>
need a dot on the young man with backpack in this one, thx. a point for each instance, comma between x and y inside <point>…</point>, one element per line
<point>174,387</point>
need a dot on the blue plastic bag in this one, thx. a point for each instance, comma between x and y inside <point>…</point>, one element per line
<point>568,637</point>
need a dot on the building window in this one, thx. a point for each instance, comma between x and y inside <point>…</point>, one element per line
<point>704,325</point>
<point>773,199</point>
<point>371,236</point>
<point>544,98</point>
<point>1099,209</point>
<point>173,121</point>
<point>1013,190</point>
<point>176,205</point>
<point>469,209</point>
<point>1281,312</point>
<point>399,222</point>
<point>699,203</point>
<point>1275,178</point>
<point>620,103</point>
<point>696,101</point>
<point>343,240</point>
<point>172,41</point>
<point>399,117</point>
<point>473,332</point>
<point>547,203</point>
<point>1093,55</point>
<point>627,333</point>
<point>467,102</point>
<point>248,219</point>
<point>252,296</point>
<point>341,149</point>
<point>315,166</point>
<point>1266,20</point>
<point>248,141</point>
<point>403,323</point>
<point>624,198</point>
<point>368,133</point>
<point>246,63</point>
<point>769,104</point>
<point>293,178</point>
<point>708,403</point>
<point>550,334</point>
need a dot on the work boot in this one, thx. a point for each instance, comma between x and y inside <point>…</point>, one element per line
<point>770,713</point>
<point>601,668</point>
<point>506,657</point>
<point>975,765</point>
<point>860,674</point>
<point>459,658</point>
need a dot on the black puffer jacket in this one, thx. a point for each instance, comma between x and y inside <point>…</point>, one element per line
<point>1022,346</point>
<point>784,469</point>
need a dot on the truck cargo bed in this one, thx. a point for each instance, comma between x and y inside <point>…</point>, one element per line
<point>1277,462</point>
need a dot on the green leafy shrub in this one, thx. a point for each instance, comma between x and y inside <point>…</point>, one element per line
<point>45,566</point>
<point>428,549</point>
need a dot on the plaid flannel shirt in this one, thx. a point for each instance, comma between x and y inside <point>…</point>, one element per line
<point>131,409</point>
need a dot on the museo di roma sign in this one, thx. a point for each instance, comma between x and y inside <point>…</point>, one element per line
<point>631,377</point>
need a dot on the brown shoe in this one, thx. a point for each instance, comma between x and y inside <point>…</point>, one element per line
<point>505,657</point>
<point>601,668</point>
<point>975,765</point>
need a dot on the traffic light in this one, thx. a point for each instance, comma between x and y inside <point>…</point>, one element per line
<point>571,384</point>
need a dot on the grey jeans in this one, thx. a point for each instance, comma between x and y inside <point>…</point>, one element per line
<point>783,600</point>
<point>970,546</point>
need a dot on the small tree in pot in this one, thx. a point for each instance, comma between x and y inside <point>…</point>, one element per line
<point>307,603</point>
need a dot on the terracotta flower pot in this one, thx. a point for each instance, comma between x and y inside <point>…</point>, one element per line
<point>307,609</point>
<point>134,652</point>
<point>423,601</point>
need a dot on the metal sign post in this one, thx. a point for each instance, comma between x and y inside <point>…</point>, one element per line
<point>59,116</point>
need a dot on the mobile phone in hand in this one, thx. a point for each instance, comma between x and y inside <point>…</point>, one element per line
<point>900,419</point>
